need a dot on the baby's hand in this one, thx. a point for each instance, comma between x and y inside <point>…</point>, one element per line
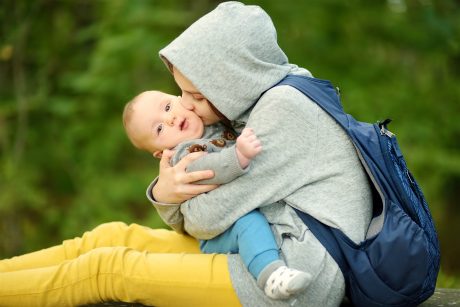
<point>247,147</point>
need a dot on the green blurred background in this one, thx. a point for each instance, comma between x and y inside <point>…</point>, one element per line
<point>67,68</point>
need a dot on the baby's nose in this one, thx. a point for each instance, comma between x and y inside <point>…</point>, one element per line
<point>170,118</point>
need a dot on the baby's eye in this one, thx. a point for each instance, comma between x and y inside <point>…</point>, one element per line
<point>159,128</point>
<point>168,107</point>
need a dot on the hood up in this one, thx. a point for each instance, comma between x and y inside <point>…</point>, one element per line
<point>231,56</point>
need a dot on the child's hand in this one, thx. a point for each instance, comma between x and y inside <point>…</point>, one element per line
<point>247,147</point>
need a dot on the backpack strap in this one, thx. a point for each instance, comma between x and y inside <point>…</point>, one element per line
<point>324,94</point>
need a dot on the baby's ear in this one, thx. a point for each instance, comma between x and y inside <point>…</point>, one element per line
<point>157,154</point>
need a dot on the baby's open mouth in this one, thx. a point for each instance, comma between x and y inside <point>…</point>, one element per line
<point>183,125</point>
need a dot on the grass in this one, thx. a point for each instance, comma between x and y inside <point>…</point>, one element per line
<point>447,281</point>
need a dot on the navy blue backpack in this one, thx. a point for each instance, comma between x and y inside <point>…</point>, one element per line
<point>398,262</point>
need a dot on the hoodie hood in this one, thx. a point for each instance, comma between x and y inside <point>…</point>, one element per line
<point>231,56</point>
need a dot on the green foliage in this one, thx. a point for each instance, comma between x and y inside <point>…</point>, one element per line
<point>68,67</point>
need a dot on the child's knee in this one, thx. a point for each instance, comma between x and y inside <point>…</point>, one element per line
<point>109,234</point>
<point>111,228</point>
<point>120,234</point>
<point>251,219</point>
<point>106,234</point>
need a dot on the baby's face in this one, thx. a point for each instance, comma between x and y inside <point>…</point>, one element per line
<point>159,122</point>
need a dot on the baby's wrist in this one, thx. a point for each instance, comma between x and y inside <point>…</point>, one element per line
<point>242,159</point>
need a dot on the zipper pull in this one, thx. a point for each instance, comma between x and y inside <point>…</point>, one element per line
<point>383,128</point>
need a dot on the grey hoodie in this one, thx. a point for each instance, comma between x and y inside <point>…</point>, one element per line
<point>231,55</point>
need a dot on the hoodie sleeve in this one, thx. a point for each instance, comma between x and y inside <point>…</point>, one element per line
<point>278,120</point>
<point>223,161</point>
<point>169,213</point>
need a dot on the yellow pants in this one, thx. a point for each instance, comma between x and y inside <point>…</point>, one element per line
<point>116,262</point>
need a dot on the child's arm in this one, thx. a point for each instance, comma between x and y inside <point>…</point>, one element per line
<point>224,161</point>
<point>228,162</point>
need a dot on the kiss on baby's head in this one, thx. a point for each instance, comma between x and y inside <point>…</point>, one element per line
<point>155,121</point>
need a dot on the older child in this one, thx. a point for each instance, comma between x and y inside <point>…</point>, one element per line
<point>155,121</point>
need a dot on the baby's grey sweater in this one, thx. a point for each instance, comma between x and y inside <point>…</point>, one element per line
<point>219,142</point>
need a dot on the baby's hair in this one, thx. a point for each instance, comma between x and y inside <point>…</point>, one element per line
<point>128,112</point>
<point>127,116</point>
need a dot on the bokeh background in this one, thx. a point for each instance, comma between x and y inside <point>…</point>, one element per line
<point>67,67</point>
